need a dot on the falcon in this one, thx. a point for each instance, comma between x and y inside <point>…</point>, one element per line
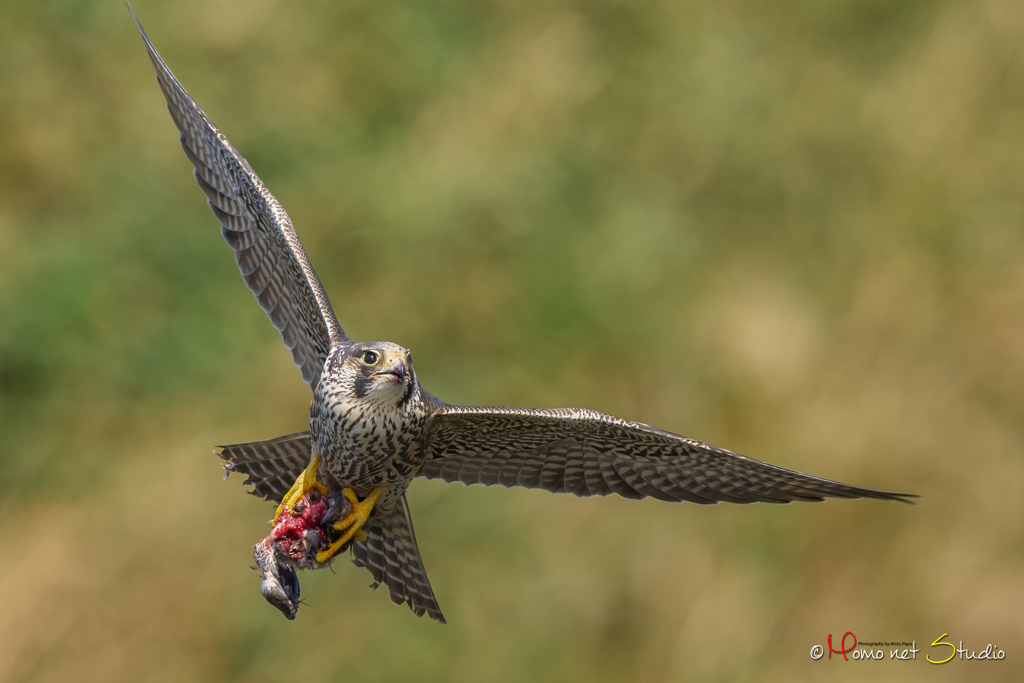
<point>373,428</point>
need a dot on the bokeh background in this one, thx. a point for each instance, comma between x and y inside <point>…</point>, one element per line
<point>792,229</point>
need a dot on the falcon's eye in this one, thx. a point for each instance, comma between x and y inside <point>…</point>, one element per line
<point>371,357</point>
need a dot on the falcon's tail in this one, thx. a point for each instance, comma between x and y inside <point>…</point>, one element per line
<point>392,556</point>
<point>272,465</point>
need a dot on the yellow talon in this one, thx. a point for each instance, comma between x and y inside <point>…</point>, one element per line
<point>353,521</point>
<point>304,484</point>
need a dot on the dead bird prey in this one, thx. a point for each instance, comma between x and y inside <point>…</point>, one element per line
<point>372,428</point>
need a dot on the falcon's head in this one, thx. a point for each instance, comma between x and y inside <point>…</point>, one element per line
<point>378,372</point>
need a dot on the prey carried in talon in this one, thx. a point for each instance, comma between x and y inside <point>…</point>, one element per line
<point>353,521</point>
<point>304,537</point>
<point>305,483</point>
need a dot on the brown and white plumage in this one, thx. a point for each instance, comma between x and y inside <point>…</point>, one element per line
<point>267,250</point>
<point>392,556</point>
<point>374,427</point>
<point>568,450</point>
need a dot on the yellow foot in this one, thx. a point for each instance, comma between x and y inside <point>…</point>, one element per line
<point>353,521</point>
<point>304,484</point>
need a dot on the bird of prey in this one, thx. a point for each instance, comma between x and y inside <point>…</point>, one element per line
<point>373,428</point>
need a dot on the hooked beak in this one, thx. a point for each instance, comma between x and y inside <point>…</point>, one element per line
<point>396,371</point>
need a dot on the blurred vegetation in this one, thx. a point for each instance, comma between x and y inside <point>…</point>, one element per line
<point>792,229</point>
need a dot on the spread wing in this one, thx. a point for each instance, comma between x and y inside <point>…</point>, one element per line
<point>587,453</point>
<point>267,250</point>
<point>570,450</point>
<point>271,466</point>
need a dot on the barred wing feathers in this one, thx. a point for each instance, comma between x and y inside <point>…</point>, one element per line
<point>586,453</point>
<point>271,466</point>
<point>568,450</point>
<point>392,556</point>
<point>267,250</point>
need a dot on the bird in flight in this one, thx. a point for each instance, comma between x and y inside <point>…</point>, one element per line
<point>373,428</point>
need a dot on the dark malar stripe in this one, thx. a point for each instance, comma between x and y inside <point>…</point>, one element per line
<point>410,389</point>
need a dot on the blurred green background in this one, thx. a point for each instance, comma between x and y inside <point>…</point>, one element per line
<point>791,229</point>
